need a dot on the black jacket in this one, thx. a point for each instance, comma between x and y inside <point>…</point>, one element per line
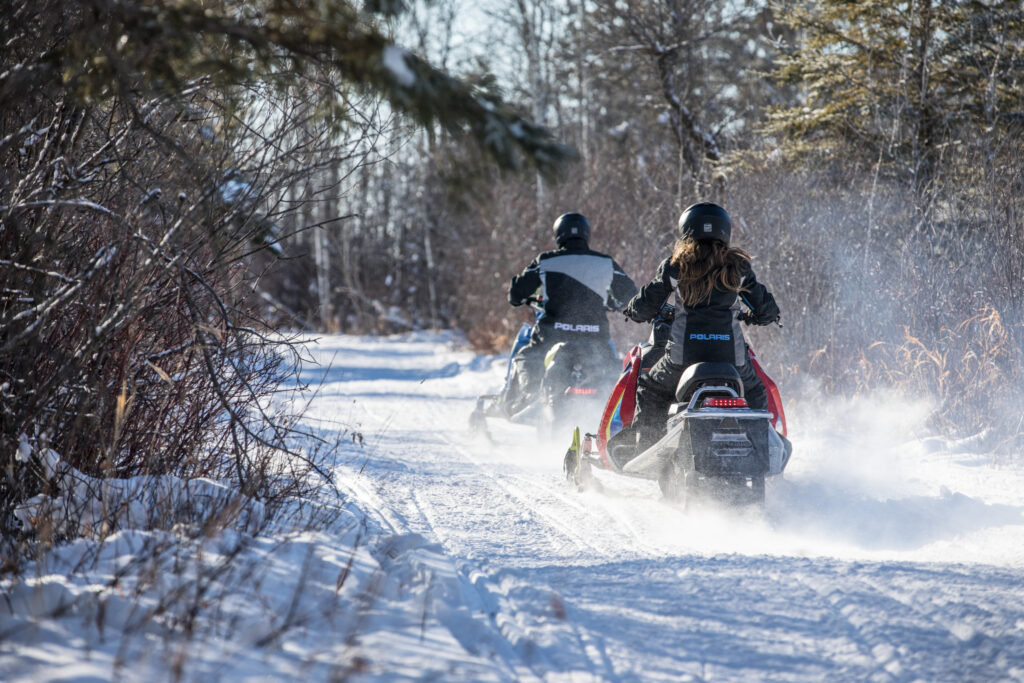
<point>709,331</point>
<point>577,286</point>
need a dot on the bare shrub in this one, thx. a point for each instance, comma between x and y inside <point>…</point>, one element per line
<point>970,371</point>
<point>130,341</point>
<point>880,286</point>
<point>127,345</point>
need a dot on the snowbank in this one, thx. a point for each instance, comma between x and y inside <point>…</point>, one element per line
<point>87,506</point>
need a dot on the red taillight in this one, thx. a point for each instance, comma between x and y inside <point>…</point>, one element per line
<point>579,391</point>
<point>717,402</point>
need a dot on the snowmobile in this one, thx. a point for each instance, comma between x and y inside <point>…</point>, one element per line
<point>716,446</point>
<point>571,390</point>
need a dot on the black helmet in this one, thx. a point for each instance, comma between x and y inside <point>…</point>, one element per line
<point>705,221</point>
<point>571,226</point>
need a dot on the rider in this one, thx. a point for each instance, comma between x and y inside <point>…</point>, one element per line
<point>709,279</point>
<point>575,287</point>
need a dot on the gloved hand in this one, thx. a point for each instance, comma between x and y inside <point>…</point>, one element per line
<point>765,319</point>
<point>766,315</point>
<point>667,312</point>
<point>633,316</point>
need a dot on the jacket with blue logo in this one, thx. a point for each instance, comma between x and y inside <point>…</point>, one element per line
<point>710,330</point>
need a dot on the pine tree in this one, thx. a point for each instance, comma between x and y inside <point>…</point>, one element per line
<point>900,85</point>
<point>100,49</point>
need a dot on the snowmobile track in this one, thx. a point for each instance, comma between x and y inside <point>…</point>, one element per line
<point>531,503</point>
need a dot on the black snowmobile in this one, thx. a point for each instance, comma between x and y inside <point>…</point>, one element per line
<point>715,446</point>
<point>571,391</point>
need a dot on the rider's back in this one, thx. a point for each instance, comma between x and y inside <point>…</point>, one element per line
<point>577,286</point>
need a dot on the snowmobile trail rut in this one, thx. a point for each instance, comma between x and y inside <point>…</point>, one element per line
<point>618,585</point>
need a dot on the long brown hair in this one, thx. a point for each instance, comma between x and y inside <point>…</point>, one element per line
<point>706,265</point>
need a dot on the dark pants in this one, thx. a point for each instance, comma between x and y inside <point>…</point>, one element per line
<point>529,373</point>
<point>656,391</point>
<point>524,381</point>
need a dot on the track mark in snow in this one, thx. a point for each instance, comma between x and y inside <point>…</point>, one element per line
<point>974,625</point>
<point>898,633</point>
<point>856,623</point>
<point>588,503</point>
<point>431,518</point>
<point>531,502</point>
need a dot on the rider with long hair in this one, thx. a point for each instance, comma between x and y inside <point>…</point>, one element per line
<point>710,279</point>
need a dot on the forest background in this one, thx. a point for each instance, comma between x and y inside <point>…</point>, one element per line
<point>184,182</point>
<point>871,154</point>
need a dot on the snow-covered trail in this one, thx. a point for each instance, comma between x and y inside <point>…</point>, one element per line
<point>874,559</point>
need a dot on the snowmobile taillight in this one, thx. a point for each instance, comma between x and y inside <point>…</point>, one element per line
<point>580,391</point>
<point>718,402</point>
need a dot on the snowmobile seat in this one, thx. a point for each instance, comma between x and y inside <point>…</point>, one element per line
<point>708,374</point>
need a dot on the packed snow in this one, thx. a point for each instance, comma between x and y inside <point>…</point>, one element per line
<point>883,554</point>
